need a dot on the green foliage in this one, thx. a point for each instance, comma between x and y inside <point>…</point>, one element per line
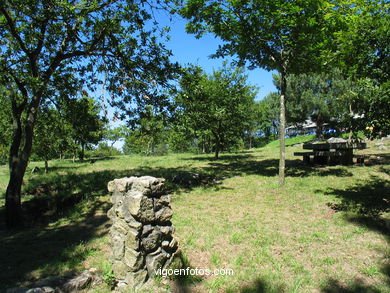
<point>103,149</point>
<point>274,35</point>
<point>217,107</point>
<point>50,135</point>
<point>361,49</point>
<point>267,116</point>
<point>87,125</point>
<point>115,134</point>
<point>360,38</point>
<point>56,49</point>
<point>149,137</point>
<point>110,279</point>
<point>5,126</point>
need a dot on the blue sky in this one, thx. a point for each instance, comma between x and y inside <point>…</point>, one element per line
<point>187,49</point>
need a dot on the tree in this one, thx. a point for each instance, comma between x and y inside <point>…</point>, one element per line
<point>87,125</point>
<point>267,117</point>
<point>361,49</point>
<point>52,49</point>
<point>49,134</point>
<point>220,104</point>
<point>315,96</point>
<point>115,134</point>
<point>5,126</point>
<point>150,135</point>
<point>275,35</point>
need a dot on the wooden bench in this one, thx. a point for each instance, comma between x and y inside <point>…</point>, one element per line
<point>305,155</point>
<point>319,156</point>
<point>360,158</point>
<point>331,153</point>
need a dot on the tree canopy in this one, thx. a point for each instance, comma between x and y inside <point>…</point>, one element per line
<point>220,104</point>
<point>274,35</point>
<point>51,49</point>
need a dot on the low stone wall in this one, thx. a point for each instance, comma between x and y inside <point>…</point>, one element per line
<point>142,233</point>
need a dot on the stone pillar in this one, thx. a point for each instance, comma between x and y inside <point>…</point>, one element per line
<point>142,233</point>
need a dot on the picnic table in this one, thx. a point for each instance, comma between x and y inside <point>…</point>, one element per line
<point>331,153</point>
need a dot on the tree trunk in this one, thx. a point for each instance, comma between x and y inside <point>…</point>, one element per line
<point>19,155</point>
<point>217,148</point>
<point>46,165</point>
<point>319,128</point>
<point>82,152</point>
<point>282,130</point>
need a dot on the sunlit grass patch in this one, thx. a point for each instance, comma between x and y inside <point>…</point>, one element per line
<point>316,233</point>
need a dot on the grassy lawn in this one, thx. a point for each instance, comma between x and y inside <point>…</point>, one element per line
<point>327,230</point>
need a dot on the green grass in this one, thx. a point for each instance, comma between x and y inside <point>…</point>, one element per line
<point>324,231</point>
<point>293,140</point>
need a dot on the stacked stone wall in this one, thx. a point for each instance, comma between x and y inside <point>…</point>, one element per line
<point>142,238</point>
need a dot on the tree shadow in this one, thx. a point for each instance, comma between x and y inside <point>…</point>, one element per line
<point>223,157</point>
<point>269,168</point>
<point>262,286</point>
<point>335,286</point>
<point>184,283</point>
<point>54,194</point>
<point>368,199</point>
<point>365,205</point>
<point>49,250</point>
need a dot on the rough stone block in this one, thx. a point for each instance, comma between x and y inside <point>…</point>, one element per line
<point>152,241</point>
<point>164,215</point>
<point>147,229</point>
<point>166,230</point>
<point>139,246</point>
<point>120,185</point>
<point>119,268</point>
<point>149,186</point>
<point>141,208</point>
<point>121,226</point>
<point>132,239</point>
<point>116,197</point>
<point>133,259</point>
<point>118,247</point>
<point>111,213</point>
<point>173,245</point>
<point>135,280</point>
<point>155,262</point>
<point>163,201</point>
<point>175,261</point>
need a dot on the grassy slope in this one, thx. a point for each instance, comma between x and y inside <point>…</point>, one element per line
<point>275,239</point>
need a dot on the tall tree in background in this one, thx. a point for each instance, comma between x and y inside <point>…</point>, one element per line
<point>220,104</point>
<point>271,34</point>
<point>115,134</point>
<point>267,115</point>
<point>361,49</point>
<point>86,124</point>
<point>5,125</point>
<point>148,135</point>
<point>50,131</point>
<point>51,49</point>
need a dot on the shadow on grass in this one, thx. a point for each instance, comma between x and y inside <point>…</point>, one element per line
<point>262,286</point>
<point>334,286</point>
<point>269,168</point>
<point>47,251</point>
<point>223,157</point>
<point>368,199</point>
<point>365,204</point>
<point>184,283</point>
<point>53,194</point>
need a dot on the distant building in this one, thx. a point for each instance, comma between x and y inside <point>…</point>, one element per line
<point>307,128</point>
